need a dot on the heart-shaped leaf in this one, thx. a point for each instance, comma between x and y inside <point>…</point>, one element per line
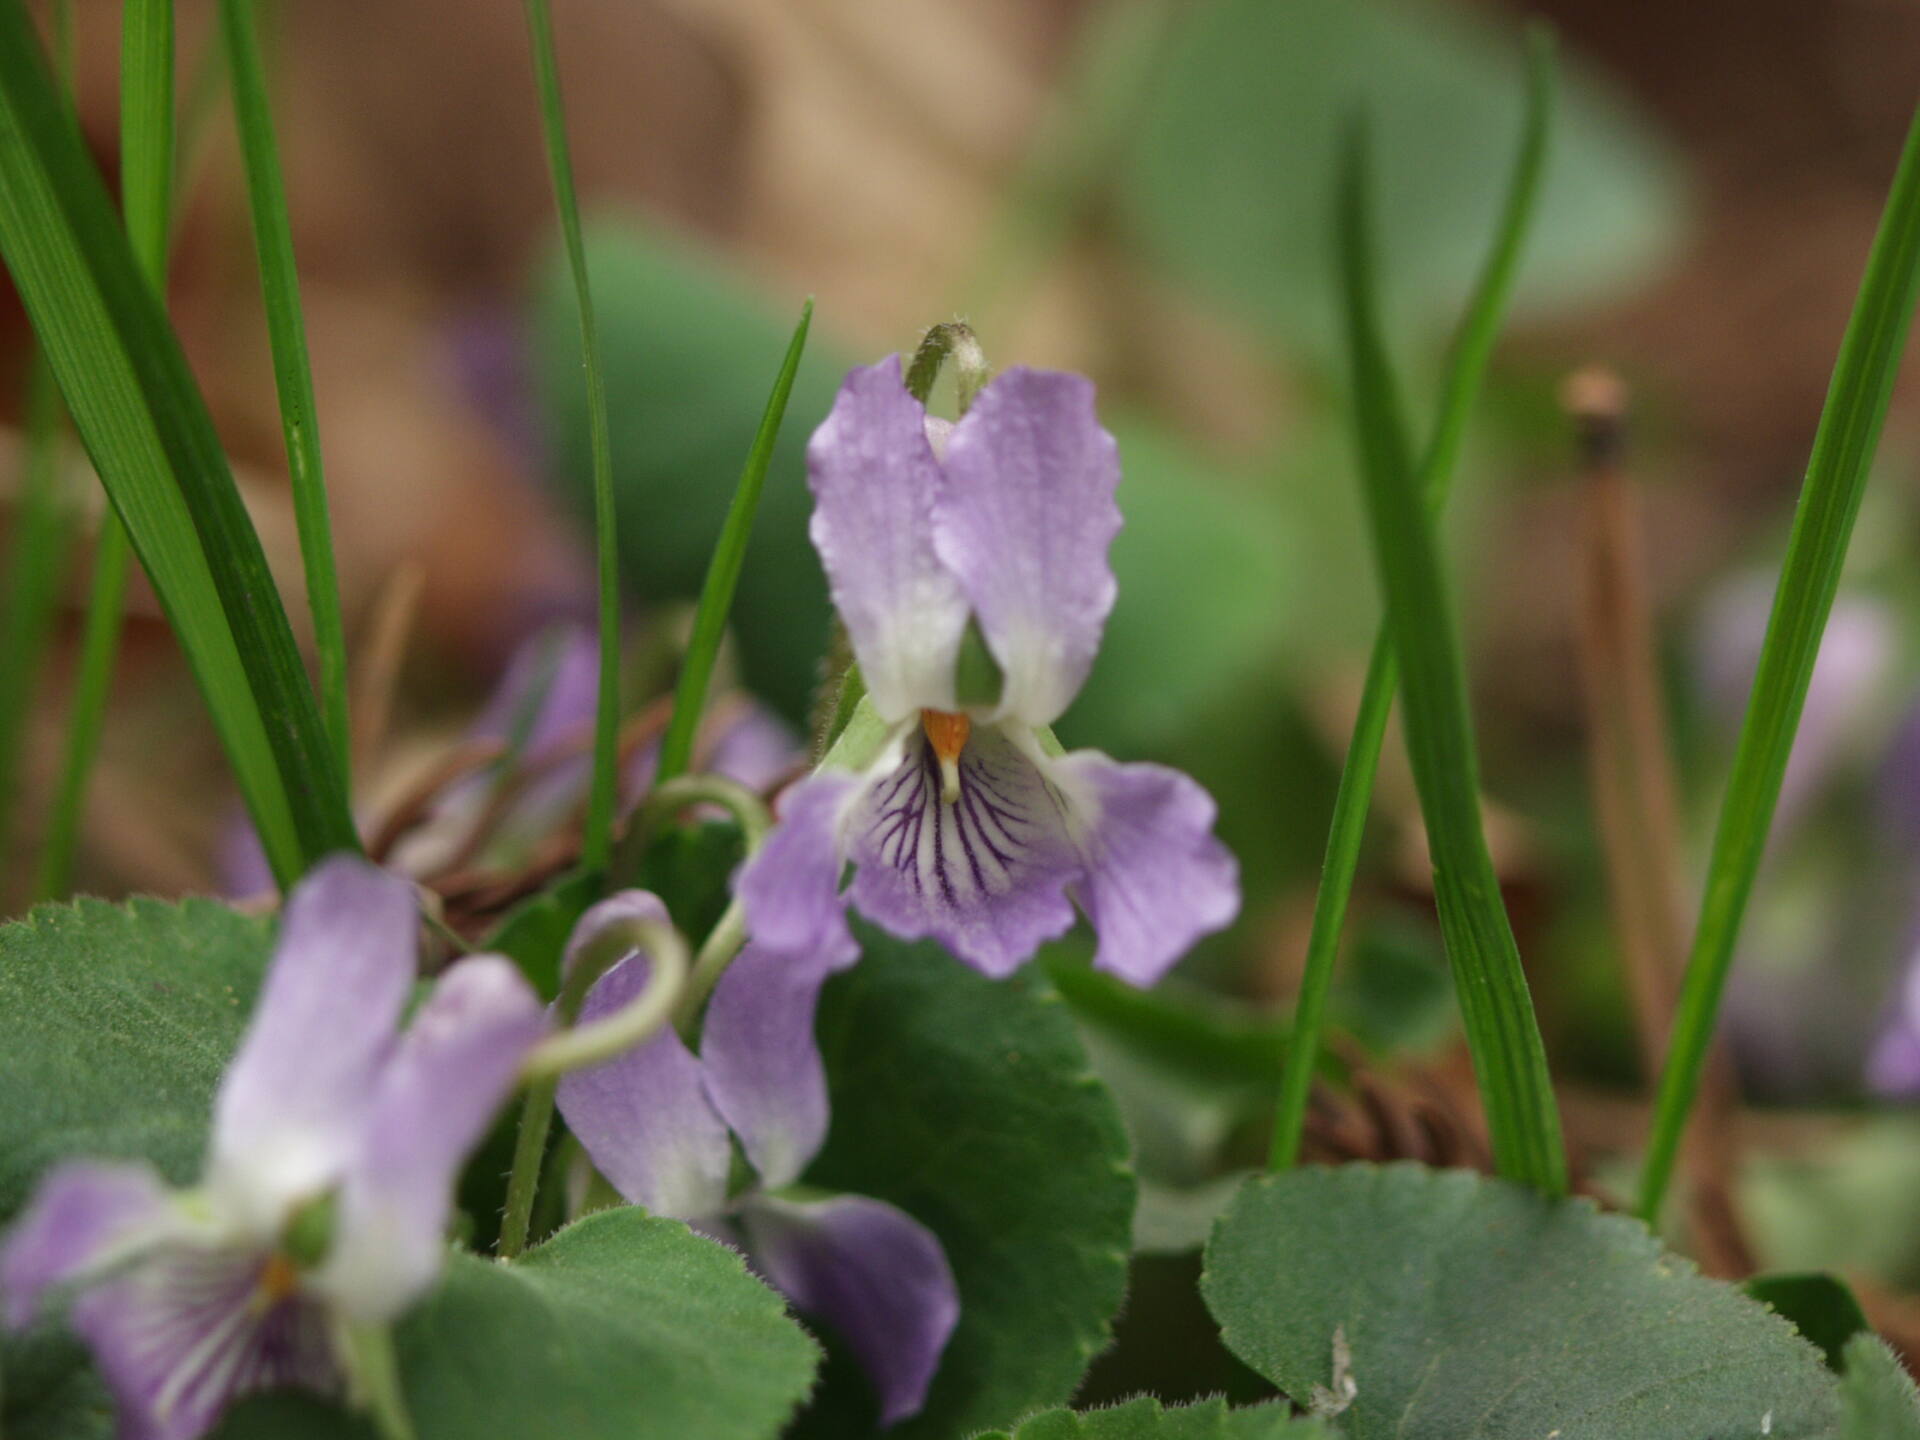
<point>1431,1305</point>
<point>1145,1419</point>
<point>621,1327</point>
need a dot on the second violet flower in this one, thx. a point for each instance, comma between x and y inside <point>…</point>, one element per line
<point>962,818</point>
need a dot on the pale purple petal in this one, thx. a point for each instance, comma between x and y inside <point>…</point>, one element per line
<point>873,477</point>
<point>756,748</point>
<point>290,1109</point>
<point>790,889</point>
<point>1855,654</point>
<point>240,860</point>
<point>83,1215</point>
<point>985,874</point>
<point>453,1068</point>
<point>763,1069</point>
<point>547,695</point>
<point>1024,515</point>
<point>1893,1066</point>
<point>644,1117</point>
<point>874,1273</point>
<point>1157,878</point>
<point>189,1330</point>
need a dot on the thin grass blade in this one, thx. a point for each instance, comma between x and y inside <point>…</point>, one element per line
<point>723,570</point>
<point>35,569</point>
<point>1509,1059</point>
<point>99,650</point>
<point>292,368</point>
<point>1843,450</point>
<point>146,194</point>
<point>147,430</point>
<point>597,846</point>
<point>1466,369</point>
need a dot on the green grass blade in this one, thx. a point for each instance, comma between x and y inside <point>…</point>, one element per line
<point>36,565</point>
<point>597,846</point>
<point>1509,1060</point>
<point>723,571</point>
<point>99,649</point>
<point>146,194</point>
<point>146,131</point>
<point>292,369</point>
<point>1466,369</point>
<point>1843,449</point>
<point>147,430</point>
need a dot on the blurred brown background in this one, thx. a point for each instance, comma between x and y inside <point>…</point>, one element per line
<point>866,154</point>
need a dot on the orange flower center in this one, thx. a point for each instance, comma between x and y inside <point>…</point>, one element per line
<point>947,734</point>
<point>278,1278</point>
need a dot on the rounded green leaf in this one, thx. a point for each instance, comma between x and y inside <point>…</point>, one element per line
<point>1264,92</point>
<point>968,1104</point>
<point>115,1023</point>
<point>1472,1307</point>
<point>1145,1419</point>
<point>621,1327</point>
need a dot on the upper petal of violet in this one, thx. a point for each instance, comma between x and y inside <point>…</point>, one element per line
<point>447,1078</point>
<point>292,1105</point>
<point>1024,515</point>
<point>873,476</point>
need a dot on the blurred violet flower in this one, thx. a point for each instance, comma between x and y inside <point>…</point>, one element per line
<point>335,1146</point>
<point>1856,654</point>
<point>659,1123</point>
<point>1893,1065</point>
<point>546,698</point>
<point>959,812</point>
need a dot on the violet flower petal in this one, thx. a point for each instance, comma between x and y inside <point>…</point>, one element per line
<point>757,748</point>
<point>452,1069</point>
<point>1893,1065</point>
<point>1157,879</point>
<point>985,874</point>
<point>790,889</point>
<point>873,475</point>
<point>190,1329</point>
<point>82,1214</point>
<point>1024,515</point>
<point>644,1117</point>
<point>874,1273</point>
<point>566,661</point>
<point>1855,654</point>
<point>290,1110</point>
<point>763,1069</point>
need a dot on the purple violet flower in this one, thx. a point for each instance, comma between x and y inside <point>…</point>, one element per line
<point>964,820</point>
<point>336,1143</point>
<point>659,1123</point>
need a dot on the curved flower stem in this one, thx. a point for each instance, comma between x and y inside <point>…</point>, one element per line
<point>746,807</point>
<point>723,942</point>
<point>585,1045</point>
